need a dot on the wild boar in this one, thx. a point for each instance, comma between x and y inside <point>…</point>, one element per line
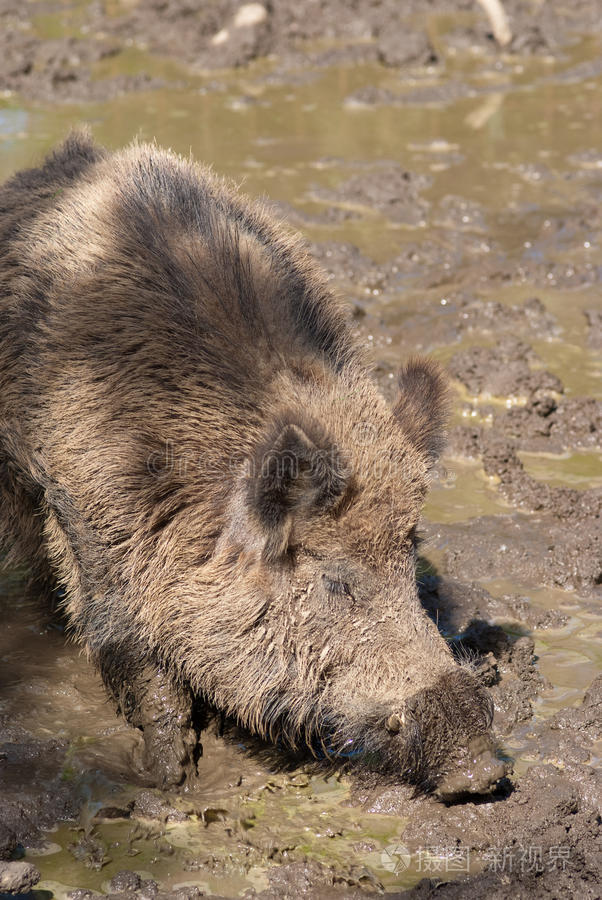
<point>194,453</point>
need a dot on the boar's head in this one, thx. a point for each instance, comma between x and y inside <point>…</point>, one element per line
<point>317,637</point>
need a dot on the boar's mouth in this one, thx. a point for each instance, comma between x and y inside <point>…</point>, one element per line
<point>438,739</point>
<point>326,743</point>
<point>324,747</point>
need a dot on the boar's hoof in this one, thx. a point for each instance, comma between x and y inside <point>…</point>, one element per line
<point>171,751</point>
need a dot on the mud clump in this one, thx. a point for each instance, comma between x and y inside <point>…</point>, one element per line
<point>475,314</point>
<point>536,549</point>
<point>311,879</point>
<point>17,877</point>
<point>545,423</point>
<point>34,796</point>
<point>61,69</point>
<point>150,805</point>
<point>411,48</point>
<point>552,425</point>
<point>570,736</point>
<point>500,460</point>
<point>502,371</point>
<point>391,190</point>
<point>129,885</point>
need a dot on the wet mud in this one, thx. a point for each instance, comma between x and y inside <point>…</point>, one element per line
<point>452,191</point>
<point>51,53</point>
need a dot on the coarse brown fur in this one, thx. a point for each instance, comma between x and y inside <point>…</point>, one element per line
<point>192,448</point>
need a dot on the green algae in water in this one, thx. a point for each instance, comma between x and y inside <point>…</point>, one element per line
<point>288,824</point>
<point>582,469</point>
<point>570,657</point>
<point>70,22</point>
<point>463,492</point>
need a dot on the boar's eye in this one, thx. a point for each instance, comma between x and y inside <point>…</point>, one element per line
<point>336,588</point>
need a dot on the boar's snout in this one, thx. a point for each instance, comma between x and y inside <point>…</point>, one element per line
<point>476,772</point>
<point>443,737</point>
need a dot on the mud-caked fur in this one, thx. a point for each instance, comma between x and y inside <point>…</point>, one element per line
<point>192,448</point>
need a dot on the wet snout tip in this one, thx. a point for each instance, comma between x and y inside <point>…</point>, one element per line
<point>479,774</point>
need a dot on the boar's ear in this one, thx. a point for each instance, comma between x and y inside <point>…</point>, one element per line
<point>422,406</point>
<point>295,469</point>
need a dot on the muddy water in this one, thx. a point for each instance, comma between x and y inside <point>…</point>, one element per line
<point>500,206</point>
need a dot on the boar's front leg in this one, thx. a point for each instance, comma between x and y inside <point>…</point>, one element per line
<point>165,712</point>
<point>163,709</point>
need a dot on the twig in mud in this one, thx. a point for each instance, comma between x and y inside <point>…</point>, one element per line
<point>499,21</point>
<point>479,117</point>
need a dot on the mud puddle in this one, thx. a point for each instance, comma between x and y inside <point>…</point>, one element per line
<point>456,204</point>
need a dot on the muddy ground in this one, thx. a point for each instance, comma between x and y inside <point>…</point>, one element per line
<point>43,61</point>
<point>452,191</point>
